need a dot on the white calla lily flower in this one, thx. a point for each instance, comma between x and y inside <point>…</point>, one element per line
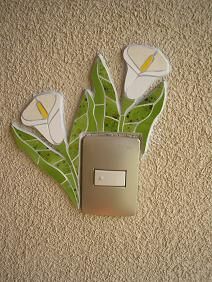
<point>45,113</point>
<point>145,65</point>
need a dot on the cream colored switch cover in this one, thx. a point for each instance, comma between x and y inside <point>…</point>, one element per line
<point>115,178</point>
<point>109,174</point>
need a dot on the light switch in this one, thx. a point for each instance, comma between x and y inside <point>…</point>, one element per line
<point>109,174</point>
<point>115,178</point>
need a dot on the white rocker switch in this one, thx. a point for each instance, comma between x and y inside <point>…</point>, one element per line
<point>109,174</point>
<point>115,178</point>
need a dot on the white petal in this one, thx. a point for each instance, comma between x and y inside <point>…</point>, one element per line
<point>160,65</point>
<point>56,128</point>
<point>31,115</point>
<point>58,105</point>
<point>130,77</point>
<point>140,86</point>
<point>47,99</point>
<point>136,55</point>
<point>44,130</point>
<point>130,61</point>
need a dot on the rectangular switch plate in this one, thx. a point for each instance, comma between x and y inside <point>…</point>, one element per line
<point>109,174</point>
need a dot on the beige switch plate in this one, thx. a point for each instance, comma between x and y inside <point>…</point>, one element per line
<point>114,155</point>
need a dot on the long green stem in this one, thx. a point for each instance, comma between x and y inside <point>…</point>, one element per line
<point>120,125</point>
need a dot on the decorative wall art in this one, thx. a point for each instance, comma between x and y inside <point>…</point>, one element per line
<point>100,111</point>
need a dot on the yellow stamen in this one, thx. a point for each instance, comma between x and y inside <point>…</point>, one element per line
<point>42,110</point>
<point>147,63</point>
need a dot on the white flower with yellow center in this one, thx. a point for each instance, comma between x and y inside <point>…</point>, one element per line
<point>145,65</point>
<point>45,113</point>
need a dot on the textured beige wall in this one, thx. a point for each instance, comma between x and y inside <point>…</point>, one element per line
<point>51,44</point>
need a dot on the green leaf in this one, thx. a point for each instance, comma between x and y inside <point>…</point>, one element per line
<point>84,121</point>
<point>105,97</point>
<point>48,159</point>
<point>126,103</point>
<point>141,117</point>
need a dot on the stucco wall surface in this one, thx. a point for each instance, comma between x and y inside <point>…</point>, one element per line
<point>52,44</point>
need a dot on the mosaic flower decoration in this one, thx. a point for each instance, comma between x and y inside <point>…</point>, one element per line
<point>143,71</point>
<point>45,113</point>
<point>100,110</point>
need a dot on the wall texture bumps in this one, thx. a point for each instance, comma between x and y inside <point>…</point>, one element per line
<point>52,44</point>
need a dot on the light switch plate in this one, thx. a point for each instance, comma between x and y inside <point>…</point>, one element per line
<point>109,174</point>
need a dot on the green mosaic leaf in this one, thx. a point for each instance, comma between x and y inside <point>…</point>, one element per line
<point>126,103</point>
<point>74,149</point>
<point>100,116</point>
<point>103,72</point>
<point>48,159</point>
<point>99,94</point>
<point>111,117</point>
<point>129,127</point>
<point>111,109</point>
<point>80,125</point>
<point>108,88</point>
<point>92,123</point>
<point>154,94</point>
<point>80,119</point>
<point>141,117</point>
<point>84,121</point>
<point>138,113</point>
<point>76,163</point>
<point>111,125</point>
<point>106,100</point>
<point>144,127</point>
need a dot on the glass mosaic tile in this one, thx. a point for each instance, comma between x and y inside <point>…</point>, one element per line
<point>100,110</point>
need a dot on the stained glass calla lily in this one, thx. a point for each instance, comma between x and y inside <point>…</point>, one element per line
<point>45,113</point>
<point>98,112</point>
<point>145,65</point>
